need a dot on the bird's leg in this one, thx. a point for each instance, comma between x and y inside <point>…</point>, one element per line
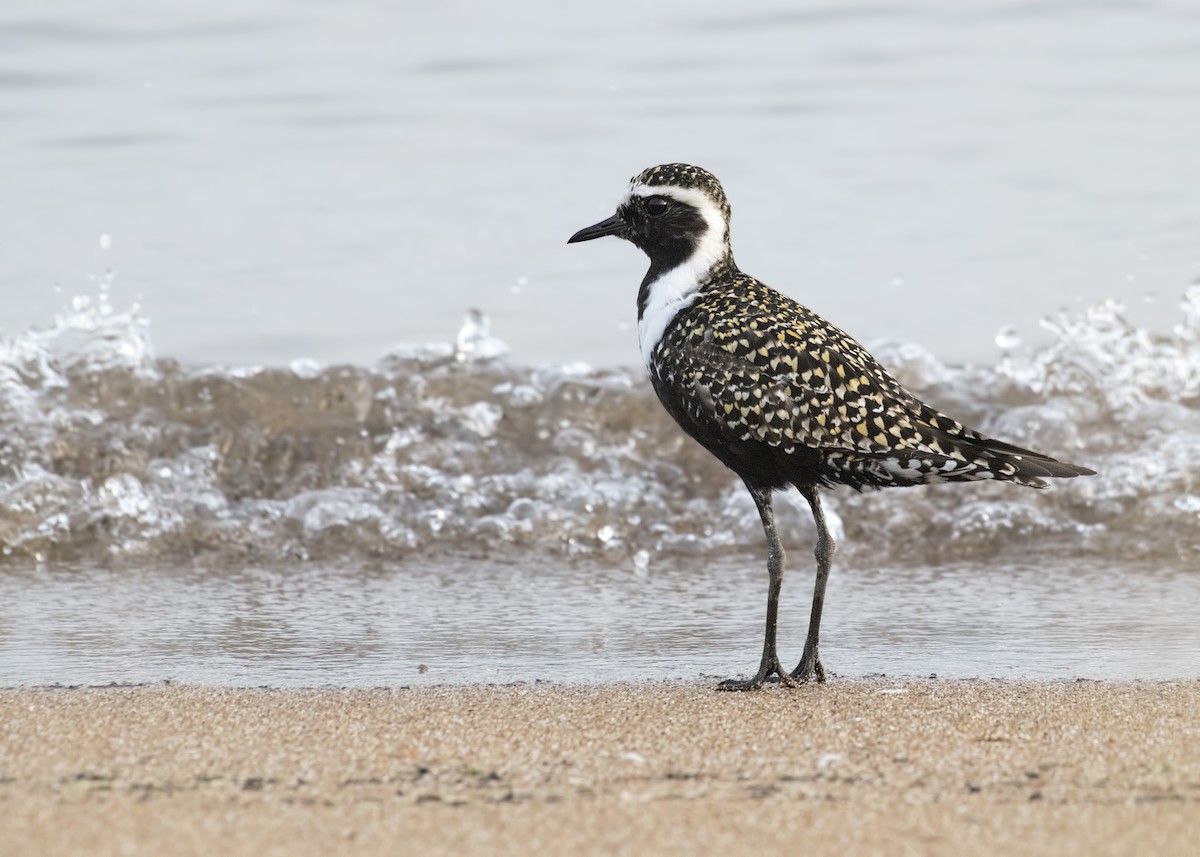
<point>810,662</point>
<point>770,660</point>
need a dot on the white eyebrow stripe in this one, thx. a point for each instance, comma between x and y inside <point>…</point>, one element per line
<point>690,195</point>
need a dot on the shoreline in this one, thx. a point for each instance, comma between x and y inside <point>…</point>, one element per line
<point>854,766</point>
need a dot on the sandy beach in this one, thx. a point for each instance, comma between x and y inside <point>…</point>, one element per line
<point>852,767</point>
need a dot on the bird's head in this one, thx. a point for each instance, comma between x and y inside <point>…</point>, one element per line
<point>675,213</point>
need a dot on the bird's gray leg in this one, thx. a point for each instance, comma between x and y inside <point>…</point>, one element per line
<point>810,663</point>
<point>770,660</point>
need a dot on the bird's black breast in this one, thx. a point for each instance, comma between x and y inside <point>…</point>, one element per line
<point>757,463</point>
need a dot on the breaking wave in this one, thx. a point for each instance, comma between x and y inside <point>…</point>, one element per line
<point>109,452</point>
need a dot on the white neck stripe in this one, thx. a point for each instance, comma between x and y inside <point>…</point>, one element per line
<point>678,287</point>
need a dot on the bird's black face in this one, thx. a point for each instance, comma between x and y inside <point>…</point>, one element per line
<point>664,227</point>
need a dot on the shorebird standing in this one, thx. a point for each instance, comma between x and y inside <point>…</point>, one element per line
<point>778,394</point>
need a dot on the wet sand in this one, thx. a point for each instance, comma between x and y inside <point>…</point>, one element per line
<point>852,767</point>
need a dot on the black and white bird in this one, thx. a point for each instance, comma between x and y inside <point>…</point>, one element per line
<point>778,394</point>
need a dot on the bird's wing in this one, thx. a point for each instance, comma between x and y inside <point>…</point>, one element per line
<point>791,385</point>
<point>752,366</point>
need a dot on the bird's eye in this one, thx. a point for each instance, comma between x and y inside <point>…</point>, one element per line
<point>656,205</point>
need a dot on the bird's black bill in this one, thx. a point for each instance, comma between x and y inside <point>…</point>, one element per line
<point>613,226</point>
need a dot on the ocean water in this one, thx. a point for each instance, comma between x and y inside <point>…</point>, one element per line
<point>448,514</point>
<point>276,179</point>
<point>300,385</point>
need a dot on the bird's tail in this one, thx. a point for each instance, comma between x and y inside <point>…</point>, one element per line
<point>1023,466</point>
<point>964,459</point>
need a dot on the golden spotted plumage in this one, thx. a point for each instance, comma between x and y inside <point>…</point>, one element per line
<point>749,366</point>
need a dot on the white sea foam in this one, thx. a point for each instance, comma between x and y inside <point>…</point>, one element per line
<point>107,452</point>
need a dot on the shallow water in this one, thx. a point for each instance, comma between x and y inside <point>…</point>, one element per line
<point>455,620</point>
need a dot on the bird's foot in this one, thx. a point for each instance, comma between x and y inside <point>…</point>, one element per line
<point>733,684</point>
<point>809,669</point>
<point>765,671</point>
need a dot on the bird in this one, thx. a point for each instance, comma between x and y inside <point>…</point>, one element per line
<point>779,395</point>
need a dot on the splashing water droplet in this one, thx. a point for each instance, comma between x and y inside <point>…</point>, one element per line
<point>306,367</point>
<point>475,340</point>
<point>1188,503</point>
<point>1007,338</point>
<point>606,533</point>
<point>1189,330</point>
<point>641,563</point>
